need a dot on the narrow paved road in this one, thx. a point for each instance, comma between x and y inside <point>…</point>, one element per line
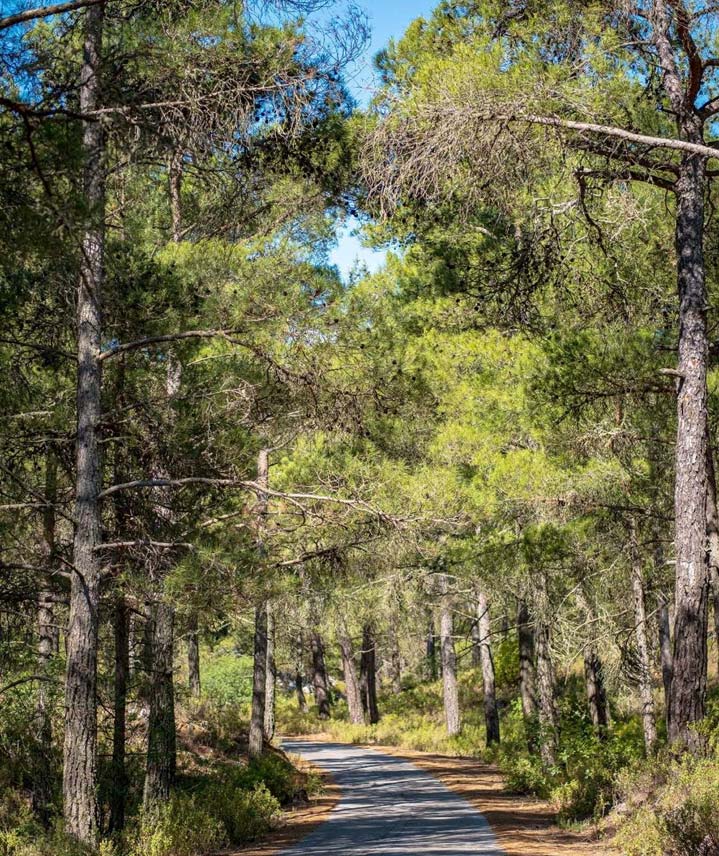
<point>389,807</point>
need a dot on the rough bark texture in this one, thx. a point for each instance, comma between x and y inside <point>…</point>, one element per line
<point>527,676</point>
<point>646,695</point>
<point>431,650</point>
<point>491,714</point>
<point>368,674</point>
<point>259,684</point>
<point>118,795</point>
<point>713,539</point>
<point>161,748</point>
<point>476,644</point>
<point>688,689</point>
<point>193,659</point>
<point>271,679</point>
<point>319,677</point>
<point>352,687</point>
<point>546,687</point>
<point>596,693</point>
<point>79,787</point>
<point>449,662</point>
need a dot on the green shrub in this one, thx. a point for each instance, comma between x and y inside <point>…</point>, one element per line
<point>184,826</point>
<point>245,814</point>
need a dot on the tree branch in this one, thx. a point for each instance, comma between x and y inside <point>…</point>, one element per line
<point>45,12</point>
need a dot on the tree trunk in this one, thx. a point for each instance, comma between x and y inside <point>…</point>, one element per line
<point>352,687</point>
<point>395,665</point>
<point>449,662</point>
<point>121,627</point>
<point>713,539</point>
<point>476,644</point>
<point>431,650</point>
<point>527,676</point>
<point>319,677</point>
<point>368,675</point>
<point>546,685</point>
<point>79,787</point>
<point>299,674</point>
<point>269,727</point>
<point>665,649</point>
<point>259,684</point>
<point>688,689</point>
<point>596,693</point>
<point>42,784</point>
<point>161,740</point>
<point>646,695</point>
<point>491,714</point>
<point>193,659</point>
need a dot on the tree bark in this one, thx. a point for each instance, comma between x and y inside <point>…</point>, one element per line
<point>527,676</point>
<point>118,796</point>
<point>546,685</point>
<point>161,740</point>
<point>352,687</point>
<point>431,650</point>
<point>688,688</point>
<point>193,659</point>
<point>713,539</point>
<point>596,693</point>
<point>491,714</point>
<point>395,664</point>
<point>299,674</point>
<point>42,785</point>
<point>80,807</point>
<point>269,726</point>
<point>449,662</point>
<point>665,649</point>
<point>259,684</point>
<point>319,677</point>
<point>368,674</point>
<point>646,695</point>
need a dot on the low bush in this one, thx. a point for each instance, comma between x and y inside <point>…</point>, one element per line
<point>184,826</point>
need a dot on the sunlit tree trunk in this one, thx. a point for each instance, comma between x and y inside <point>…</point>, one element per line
<point>161,736</point>
<point>269,727</point>
<point>527,675</point>
<point>352,687</point>
<point>546,684</point>
<point>449,661</point>
<point>491,713</point>
<point>259,683</point>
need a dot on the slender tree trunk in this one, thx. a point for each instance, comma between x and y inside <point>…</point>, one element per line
<point>646,694</point>
<point>269,728</point>
<point>546,684</point>
<point>319,677</point>
<point>368,674</point>
<point>161,740</point>
<point>491,713</point>
<point>118,796</point>
<point>193,659</point>
<point>259,684</point>
<point>449,662</point>
<point>476,644</point>
<point>527,676</point>
<point>688,689</point>
<point>352,687</point>
<point>42,784</point>
<point>596,693</point>
<point>665,649</point>
<point>713,539</point>
<point>395,664</point>
<point>299,674</point>
<point>431,650</point>
<point>80,805</point>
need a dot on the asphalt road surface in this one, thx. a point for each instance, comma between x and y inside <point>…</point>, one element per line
<point>389,807</point>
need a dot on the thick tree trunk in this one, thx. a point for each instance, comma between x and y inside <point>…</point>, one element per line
<point>259,684</point>
<point>80,807</point>
<point>319,677</point>
<point>546,685</point>
<point>368,674</point>
<point>527,676</point>
<point>449,662</point>
<point>299,674</point>
<point>688,689</point>
<point>118,795</point>
<point>271,679</point>
<point>161,739</point>
<point>491,714</point>
<point>352,687</point>
<point>646,695</point>
<point>193,659</point>
<point>42,784</point>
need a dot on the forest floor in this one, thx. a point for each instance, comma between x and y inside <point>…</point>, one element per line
<point>521,825</point>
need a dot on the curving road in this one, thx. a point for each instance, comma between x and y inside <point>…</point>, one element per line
<point>389,807</point>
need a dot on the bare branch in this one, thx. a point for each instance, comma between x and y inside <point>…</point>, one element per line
<point>45,12</point>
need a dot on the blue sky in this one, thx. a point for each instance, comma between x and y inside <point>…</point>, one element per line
<point>388,18</point>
